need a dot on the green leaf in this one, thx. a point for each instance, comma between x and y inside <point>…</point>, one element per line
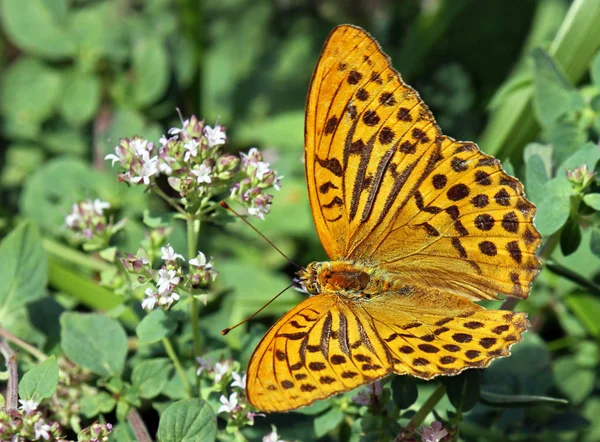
<point>314,408</point>
<point>595,70</point>
<point>65,140</point>
<point>566,137</point>
<point>98,403</point>
<point>151,376</point>
<point>587,309</point>
<point>20,161</point>
<point>588,154</point>
<point>81,98</point>
<point>40,382</point>
<point>570,237</point>
<point>186,421</point>
<point>38,26</point>
<point>94,341</point>
<point>155,326</point>
<point>463,390</point>
<point>404,391</point>
<point>30,91</point>
<point>24,269</point>
<point>328,421</point>
<point>552,90</point>
<point>553,205</point>
<point>592,200</point>
<point>517,400</point>
<point>151,70</point>
<point>595,241</point>
<point>575,382</point>
<point>284,131</point>
<point>536,177</point>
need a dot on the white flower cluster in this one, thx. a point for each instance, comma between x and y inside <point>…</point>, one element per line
<point>86,223</point>
<point>170,278</point>
<point>191,158</point>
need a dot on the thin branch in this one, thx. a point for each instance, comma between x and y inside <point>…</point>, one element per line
<point>13,377</point>
<point>40,356</point>
<point>138,426</point>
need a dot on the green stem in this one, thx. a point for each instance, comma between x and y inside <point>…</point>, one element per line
<point>426,408</point>
<point>193,230</point>
<point>569,274</point>
<point>66,253</point>
<point>39,355</point>
<point>169,200</point>
<point>177,363</point>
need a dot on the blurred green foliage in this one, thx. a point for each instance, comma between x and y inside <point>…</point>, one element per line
<point>522,77</point>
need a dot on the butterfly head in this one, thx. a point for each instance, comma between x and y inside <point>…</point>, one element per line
<point>309,277</point>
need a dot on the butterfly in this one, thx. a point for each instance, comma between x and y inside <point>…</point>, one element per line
<point>417,225</point>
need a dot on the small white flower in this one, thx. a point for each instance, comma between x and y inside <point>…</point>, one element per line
<point>148,169</point>
<point>202,173</point>
<point>168,254</point>
<point>74,218</point>
<point>215,136</point>
<point>262,169</point>
<point>238,381</point>
<point>166,278</point>
<point>139,146</point>
<point>42,430</point>
<point>176,130</point>
<point>163,140</point>
<point>201,261</point>
<point>191,148</point>
<point>169,299</point>
<point>277,182</point>
<point>98,206</point>
<point>272,436</point>
<point>150,301</point>
<point>114,158</point>
<point>259,211</point>
<point>435,433</point>
<point>228,405</point>
<point>221,369</point>
<point>251,415</point>
<point>28,405</point>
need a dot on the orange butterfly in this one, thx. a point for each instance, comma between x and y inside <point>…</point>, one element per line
<point>417,226</point>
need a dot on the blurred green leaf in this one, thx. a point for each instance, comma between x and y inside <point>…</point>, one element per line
<point>30,91</point>
<point>155,326</point>
<point>41,381</point>
<point>404,391</point>
<point>575,382</point>
<point>553,93</point>
<point>81,99</point>
<point>535,177</point>
<point>24,269</point>
<point>463,390</point>
<point>98,403</point>
<point>186,421</point>
<point>184,60</point>
<point>150,70</point>
<point>94,341</point>
<point>65,140</point>
<point>150,376</point>
<point>285,131</point>
<point>19,163</point>
<point>592,200</point>
<point>595,240</point>
<point>38,26</point>
<point>595,70</point>
<point>328,421</point>
<point>591,411</point>
<point>588,154</point>
<point>566,137</point>
<point>570,237</point>
<point>587,309</point>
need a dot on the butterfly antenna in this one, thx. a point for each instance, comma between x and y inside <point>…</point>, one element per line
<point>226,206</point>
<point>228,329</point>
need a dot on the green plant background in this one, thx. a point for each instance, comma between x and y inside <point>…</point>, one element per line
<point>520,77</point>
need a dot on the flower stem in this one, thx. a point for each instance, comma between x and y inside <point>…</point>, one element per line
<point>177,363</point>
<point>193,230</point>
<point>426,408</point>
<point>74,256</point>
<point>169,200</point>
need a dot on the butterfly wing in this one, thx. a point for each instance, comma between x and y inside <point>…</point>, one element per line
<point>319,348</point>
<point>387,188</point>
<point>329,344</point>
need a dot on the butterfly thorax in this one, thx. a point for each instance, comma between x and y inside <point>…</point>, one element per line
<point>344,278</point>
